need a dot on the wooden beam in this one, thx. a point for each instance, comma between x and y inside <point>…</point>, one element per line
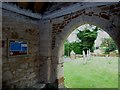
<point>38,6</point>
<point>23,4</point>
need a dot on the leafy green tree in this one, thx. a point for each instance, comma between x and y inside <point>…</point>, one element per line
<point>66,48</point>
<point>87,38</point>
<point>109,44</point>
<point>75,46</point>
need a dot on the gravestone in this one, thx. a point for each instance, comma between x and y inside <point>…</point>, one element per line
<point>84,57</point>
<point>72,55</point>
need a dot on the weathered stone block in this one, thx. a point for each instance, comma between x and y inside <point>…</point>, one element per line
<point>105,16</point>
<point>24,66</point>
<point>60,80</point>
<point>60,72</point>
<point>32,75</point>
<point>7,75</point>
<point>30,70</point>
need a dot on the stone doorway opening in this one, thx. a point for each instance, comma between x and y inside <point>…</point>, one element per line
<point>58,51</point>
<point>75,70</point>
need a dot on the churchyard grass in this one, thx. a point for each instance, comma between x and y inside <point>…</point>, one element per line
<point>99,72</point>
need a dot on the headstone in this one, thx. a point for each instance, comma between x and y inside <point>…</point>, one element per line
<point>72,55</point>
<point>84,57</point>
<point>89,54</point>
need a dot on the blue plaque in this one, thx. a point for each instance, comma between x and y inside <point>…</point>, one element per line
<point>17,48</point>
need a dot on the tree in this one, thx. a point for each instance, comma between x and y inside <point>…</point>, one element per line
<point>75,46</point>
<point>87,38</point>
<point>109,45</point>
<point>66,48</point>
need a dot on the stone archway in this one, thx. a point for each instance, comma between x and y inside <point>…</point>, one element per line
<point>104,17</point>
<point>46,34</point>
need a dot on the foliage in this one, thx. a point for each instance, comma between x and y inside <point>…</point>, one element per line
<point>109,44</point>
<point>86,41</point>
<point>75,46</point>
<point>87,38</point>
<point>66,48</point>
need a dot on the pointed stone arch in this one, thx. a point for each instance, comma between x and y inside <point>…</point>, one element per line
<point>105,17</point>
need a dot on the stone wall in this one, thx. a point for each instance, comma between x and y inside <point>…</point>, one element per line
<point>0,48</point>
<point>44,62</point>
<point>20,71</point>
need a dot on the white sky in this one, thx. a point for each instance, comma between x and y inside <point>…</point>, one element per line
<point>101,34</point>
<point>100,37</point>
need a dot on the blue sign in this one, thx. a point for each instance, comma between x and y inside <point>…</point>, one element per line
<point>18,48</point>
<point>15,46</point>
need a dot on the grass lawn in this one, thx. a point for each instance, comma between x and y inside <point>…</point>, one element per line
<point>97,73</point>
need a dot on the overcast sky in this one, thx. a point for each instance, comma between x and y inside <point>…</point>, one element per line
<point>101,34</point>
